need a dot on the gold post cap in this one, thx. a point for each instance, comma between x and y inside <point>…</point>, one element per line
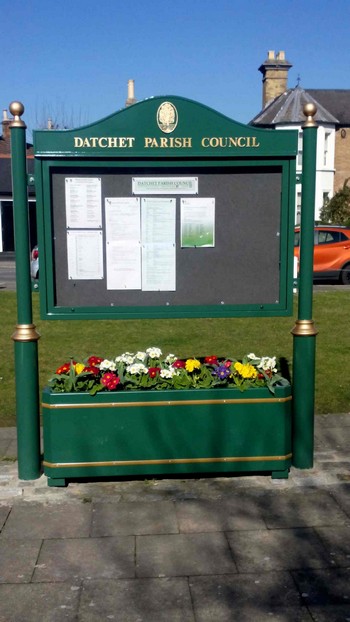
<point>17,109</point>
<point>309,111</point>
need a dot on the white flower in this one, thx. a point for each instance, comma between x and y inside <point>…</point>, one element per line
<point>171,358</point>
<point>127,358</point>
<point>154,353</point>
<point>107,365</point>
<point>140,356</point>
<point>137,368</point>
<point>169,373</point>
<point>252,356</point>
<point>267,363</point>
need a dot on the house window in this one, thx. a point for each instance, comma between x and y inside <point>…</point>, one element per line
<point>300,149</point>
<point>325,196</point>
<point>298,208</point>
<point>326,148</point>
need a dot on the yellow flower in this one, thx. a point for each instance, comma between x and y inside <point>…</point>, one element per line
<point>78,367</point>
<point>192,364</point>
<point>246,370</point>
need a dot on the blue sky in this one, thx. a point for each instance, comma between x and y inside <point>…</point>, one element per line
<point>73,58</point>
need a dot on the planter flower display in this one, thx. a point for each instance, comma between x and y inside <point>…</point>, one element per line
<point>149,414</point>
<point>153,370</point>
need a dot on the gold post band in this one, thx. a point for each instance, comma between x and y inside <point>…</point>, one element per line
<point>304,328</point>
<point>25,332</point>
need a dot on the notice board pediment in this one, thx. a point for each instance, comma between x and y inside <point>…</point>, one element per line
<point>168,126</point>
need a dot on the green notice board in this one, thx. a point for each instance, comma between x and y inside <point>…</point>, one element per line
<point>165,209</point>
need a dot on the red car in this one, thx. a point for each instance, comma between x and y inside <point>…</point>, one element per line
<point>331,252</point>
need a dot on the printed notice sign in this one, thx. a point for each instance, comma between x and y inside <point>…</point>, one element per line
<point>165,185</point>
<point>123,220</point>
<point>83,202</point>
<point>197,223</point>
<point>158,244</point>
<point>123,243</point>
<point>158,267</point>
<point>85,258</point>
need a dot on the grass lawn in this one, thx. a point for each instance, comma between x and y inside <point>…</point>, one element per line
<point>61,339</point>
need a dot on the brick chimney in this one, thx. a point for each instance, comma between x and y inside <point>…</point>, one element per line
<point>5,126</point>
<point>275,75</point>
<point>131,93</point>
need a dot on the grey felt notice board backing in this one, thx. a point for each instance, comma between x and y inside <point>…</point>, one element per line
<point>243,266</point>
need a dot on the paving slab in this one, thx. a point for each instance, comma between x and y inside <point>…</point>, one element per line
<point>34,603</point>
<point>334,438</point>
<point>4,444</point>
<point>113,519</point>
<point>342,496</point>
<point>36,520</point>
<point>4,512</point>
<point>277,549</point>
<point>336,541</point>
<point>18,559</point>
<point>81,558</point>
<point>326,593</point>
<point>183,555</point>
<point>228,514</point>
<point>9,433</point>
<point>332,421</point>
<point>12,450</point>
<point>136,600</point>
<point>247,598</point>
<point>297,509</point>
<point>331,613</point>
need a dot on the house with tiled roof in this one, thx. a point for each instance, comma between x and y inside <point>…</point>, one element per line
<point>283,109</point>
<point>6,199</point>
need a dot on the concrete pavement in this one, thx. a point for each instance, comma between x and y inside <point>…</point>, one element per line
<point>242,548</point>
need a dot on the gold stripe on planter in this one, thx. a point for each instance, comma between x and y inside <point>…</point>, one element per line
<point>165,461</point>
<point>264,400</point>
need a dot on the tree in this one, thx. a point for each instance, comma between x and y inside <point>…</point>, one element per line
<point>337,209</point>
<point>54,116</point>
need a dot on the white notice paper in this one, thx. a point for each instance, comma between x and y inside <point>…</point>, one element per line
<point>123,266</point>
<point>158,219</point>
<point>158,267</point>
<point>123,239</point>
<point>85,258</point>
<point>123,219</point>
<point>83,202</point>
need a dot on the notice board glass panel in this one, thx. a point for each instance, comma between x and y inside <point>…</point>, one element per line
<point>240,266</point>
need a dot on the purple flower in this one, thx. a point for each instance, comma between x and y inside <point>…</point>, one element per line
<point>221,371</point>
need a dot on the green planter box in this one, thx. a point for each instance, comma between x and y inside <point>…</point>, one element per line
<point>150,433</point>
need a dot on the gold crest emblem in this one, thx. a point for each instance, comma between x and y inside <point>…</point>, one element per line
<point>167,117</point>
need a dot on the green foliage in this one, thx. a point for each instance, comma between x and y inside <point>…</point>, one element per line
<point>337,209</point>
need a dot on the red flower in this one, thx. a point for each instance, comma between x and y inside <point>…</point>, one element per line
<point>153,372</point>
<point>64,369</point>
<point>211,360</point>
<point>110,380</point>
<point>228,364</point>
<point>94,360</point>
<point>92,370</point>
<point>179,364</point>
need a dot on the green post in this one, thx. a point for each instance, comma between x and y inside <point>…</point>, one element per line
<point>304,331</point>
<point>25,337</point>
